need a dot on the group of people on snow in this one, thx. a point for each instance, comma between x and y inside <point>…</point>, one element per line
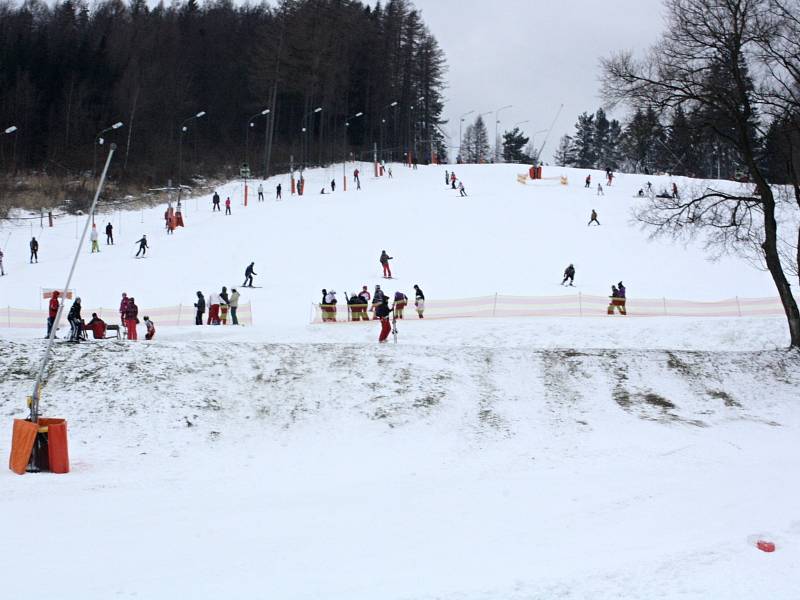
<point>219,305</point>
<point>360,304</point>
<point>128,312</point>
<point>450,180</point>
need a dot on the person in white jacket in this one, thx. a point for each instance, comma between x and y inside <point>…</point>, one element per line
<point>93,236</point>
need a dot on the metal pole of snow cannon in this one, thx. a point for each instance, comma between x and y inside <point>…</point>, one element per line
<point>34,416</point>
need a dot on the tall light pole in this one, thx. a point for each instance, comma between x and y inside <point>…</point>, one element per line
<point>305,132</point>
<point>98,141</point>
<point>344,148</point>
<point>390,105</point>
<point>496,131</point>
<point>250,124</point>
<point>183,129</point>
<point>460,133</point>
<point>9,130</point>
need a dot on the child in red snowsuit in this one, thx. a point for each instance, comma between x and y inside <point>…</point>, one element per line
<point>131,319</point>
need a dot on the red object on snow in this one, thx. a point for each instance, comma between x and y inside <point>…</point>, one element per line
<point>765,546</point>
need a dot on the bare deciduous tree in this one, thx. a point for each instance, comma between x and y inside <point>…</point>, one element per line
<point>702,62</point>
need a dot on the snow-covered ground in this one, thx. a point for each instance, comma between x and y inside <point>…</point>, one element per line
<point>476,459</point>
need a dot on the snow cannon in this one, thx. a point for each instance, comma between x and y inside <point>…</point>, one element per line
<point>40,446</point>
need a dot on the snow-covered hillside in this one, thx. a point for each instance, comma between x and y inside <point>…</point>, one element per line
<point>476,459</point>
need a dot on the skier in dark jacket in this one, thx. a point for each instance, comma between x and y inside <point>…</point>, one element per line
<point>200,305</point>
<point>569,273</point>
<point>215,202</point>
<point>224,305</point>
<point>75,321</point>
<point>248,275</point>
<point>109,234</point>
<point>385,258</point>
<point>34,250</point>
<point>142,246</point>
<point>593,218</point>
<point>382,312</point>
<point>419,300</point>
<point>377,298</point>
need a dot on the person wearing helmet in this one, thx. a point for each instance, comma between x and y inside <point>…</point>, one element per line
<point>569,273</point>
<point>151,329</point>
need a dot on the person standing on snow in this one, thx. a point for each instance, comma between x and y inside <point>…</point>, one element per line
<point>151,329</point>
<point>377,297</point>
<point>132,318</point>
<point>600,190</point>
<point>123,308</point>
<point>213,309</point>
<point>248,275</point>
<point>228,205</point>
<point>446,177</point>
<point>260,192</point>
<point>382,313</point>
<point>330,303</point>
<point>200,305</point>
<point>52,311</point>
<point>109,234</point>
<point>75,321</point>
<point>365,293</point>
<point>234,304</point>
<point>34,250</point>
<point>400,302</point>
<point>461,189</point>
<point>453,180</point>
<point>569,273</point>
<point>215,202</point>
<point>278,192</point>
<point>588,180</point>
<point>385,258</point>
<point>223,305</point>
<point>419,300</point>
<point>142,246</point>
<point>593,219</point>
<point>356,178</point>
<point>622,292</point>
<point>93,237</point>
<point>675,190</point>
<point>333,185</point>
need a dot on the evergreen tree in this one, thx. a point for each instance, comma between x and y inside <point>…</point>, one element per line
<point>514,143</point>
<point>563,156</point>
<point>583,146</point>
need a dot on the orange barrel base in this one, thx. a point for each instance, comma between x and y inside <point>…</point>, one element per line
<point>52,451</point>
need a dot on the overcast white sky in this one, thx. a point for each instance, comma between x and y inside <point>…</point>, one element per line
<point>534,55</point>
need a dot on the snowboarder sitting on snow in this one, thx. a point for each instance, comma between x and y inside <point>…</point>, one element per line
<point>419,300</point>
<point>142,246</point>
<point>385,258</point>
<point>594,218</point>
<point>75,321</point>
<point>200,305</point>
<point>400,302</point>
<point>248,275</point>
<point>98,327</point>
<point>151,329</point>
<point>382,312</point>
<point>569,273</point>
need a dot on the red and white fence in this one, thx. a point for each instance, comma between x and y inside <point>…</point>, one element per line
<point>165,316</point>
<point>579,305</point>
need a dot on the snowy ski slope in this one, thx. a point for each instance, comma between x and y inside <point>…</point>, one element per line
<point>476,459</point>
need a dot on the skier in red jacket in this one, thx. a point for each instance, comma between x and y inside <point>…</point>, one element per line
<point>52,311</point>
<point>131,319</point>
